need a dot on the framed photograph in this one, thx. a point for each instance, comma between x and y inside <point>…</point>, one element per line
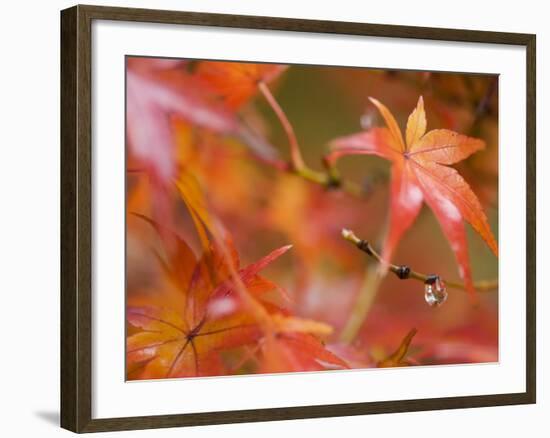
<point>268,218</point>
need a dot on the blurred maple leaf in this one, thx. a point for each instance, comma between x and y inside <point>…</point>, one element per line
<point>212,305</point>
<point>359,356</point>
<point>236,82</point>
<point>183,335</point>
<point>159,93</point>
<point>420,173</point>
<point>153,97</point>
<point>295,351</point>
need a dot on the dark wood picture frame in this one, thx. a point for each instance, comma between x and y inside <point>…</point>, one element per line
<point>76,218</point>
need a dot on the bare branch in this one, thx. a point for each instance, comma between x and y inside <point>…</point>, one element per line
<point>404,272</point>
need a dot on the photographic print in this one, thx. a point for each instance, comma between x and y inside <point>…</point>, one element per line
<point>298,218</point>
<point>342,226</point>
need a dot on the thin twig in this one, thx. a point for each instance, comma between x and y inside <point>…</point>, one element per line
<point>295,154</point>
<point>297,166</point>
<point>404,272</point>
<point>365,298</point>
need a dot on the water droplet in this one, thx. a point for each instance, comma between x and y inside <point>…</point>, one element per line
<point>435,293</point>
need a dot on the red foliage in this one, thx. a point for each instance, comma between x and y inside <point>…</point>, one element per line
<point>205,301</point>
<point>420,173</point>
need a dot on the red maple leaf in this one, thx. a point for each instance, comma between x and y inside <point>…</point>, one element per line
<point>420,172</point>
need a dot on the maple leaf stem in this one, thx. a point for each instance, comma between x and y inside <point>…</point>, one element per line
<point>404,272</point>
<point>330,179</point>
<point>295,154</point>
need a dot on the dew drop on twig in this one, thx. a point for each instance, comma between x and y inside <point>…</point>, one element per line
<point>435,292</point>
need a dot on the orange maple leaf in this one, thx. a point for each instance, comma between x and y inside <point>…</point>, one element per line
<point>398,357</point>
<point>297,351</point>
<point>236,82</point>
<point>183,333</point>
<point>183,329</point>
<point>420,172</point>
<point>210,304</point>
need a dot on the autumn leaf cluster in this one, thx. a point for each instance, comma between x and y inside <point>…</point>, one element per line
<point>235,260</point>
